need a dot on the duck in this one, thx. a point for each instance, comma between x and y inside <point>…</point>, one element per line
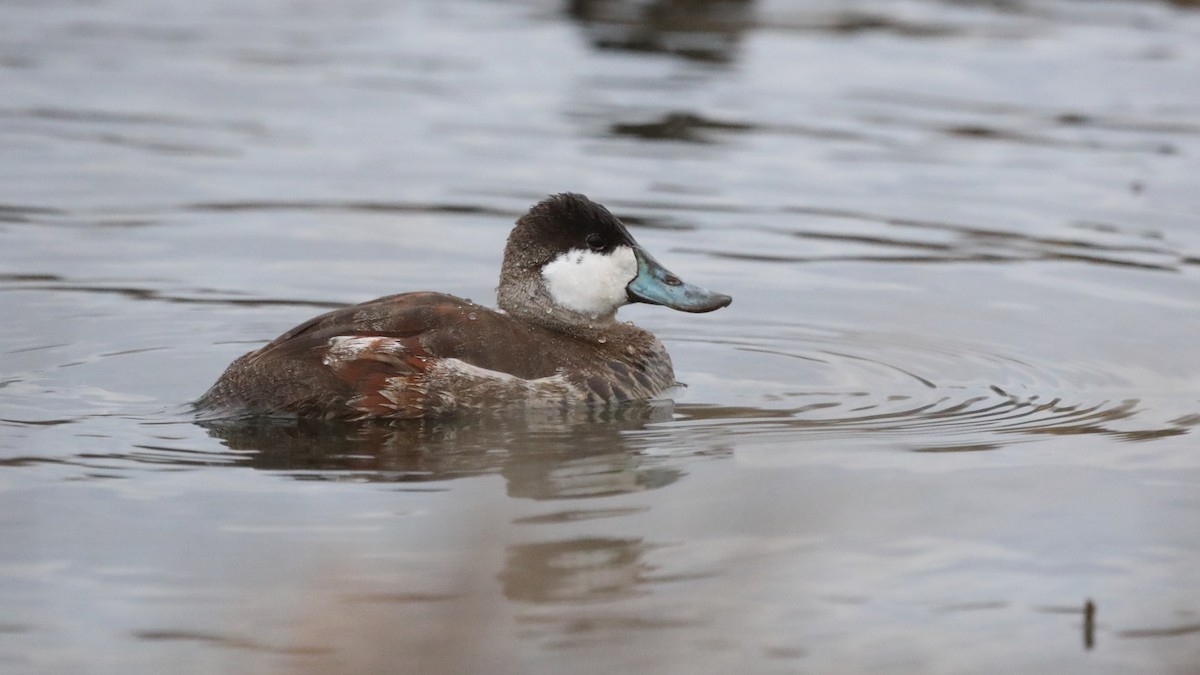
<point>569,265</point>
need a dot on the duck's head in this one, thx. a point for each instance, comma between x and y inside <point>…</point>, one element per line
<point>569,260</point>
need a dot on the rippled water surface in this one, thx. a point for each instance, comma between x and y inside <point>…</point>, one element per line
<point>948,424</point>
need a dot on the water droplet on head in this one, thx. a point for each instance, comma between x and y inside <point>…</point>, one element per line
<point>602,339</point>
<point>472,316</point>
<point>629,349</point>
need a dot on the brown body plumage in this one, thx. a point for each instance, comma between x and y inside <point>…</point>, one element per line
<point>430,354</point>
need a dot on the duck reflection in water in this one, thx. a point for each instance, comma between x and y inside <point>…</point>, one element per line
<point>552,458</point>
<point>542,455</point>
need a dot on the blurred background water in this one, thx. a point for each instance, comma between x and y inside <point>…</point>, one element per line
<point>947,425</point>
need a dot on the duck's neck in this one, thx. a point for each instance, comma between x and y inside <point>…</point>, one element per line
<point>531,303</point>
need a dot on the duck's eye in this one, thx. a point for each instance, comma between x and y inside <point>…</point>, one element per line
<point>595,242</point>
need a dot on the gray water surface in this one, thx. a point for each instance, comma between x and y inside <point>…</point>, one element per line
<point>947,426</point>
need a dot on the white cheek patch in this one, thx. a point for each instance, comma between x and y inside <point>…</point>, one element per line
<point>591,283</point>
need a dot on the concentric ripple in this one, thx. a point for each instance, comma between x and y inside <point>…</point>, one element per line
<point>940,395</point>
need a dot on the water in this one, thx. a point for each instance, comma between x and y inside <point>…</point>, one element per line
<point>953,403</point>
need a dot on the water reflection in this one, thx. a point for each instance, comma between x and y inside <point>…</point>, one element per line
<point>701,30</point>
<point>568,590</point>
<point>586,569</point>
<point>576,592</point>
<point>677,126</point>
<point>542,455</point>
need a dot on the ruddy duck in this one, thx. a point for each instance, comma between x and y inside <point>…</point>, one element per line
<point>568,266</point>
